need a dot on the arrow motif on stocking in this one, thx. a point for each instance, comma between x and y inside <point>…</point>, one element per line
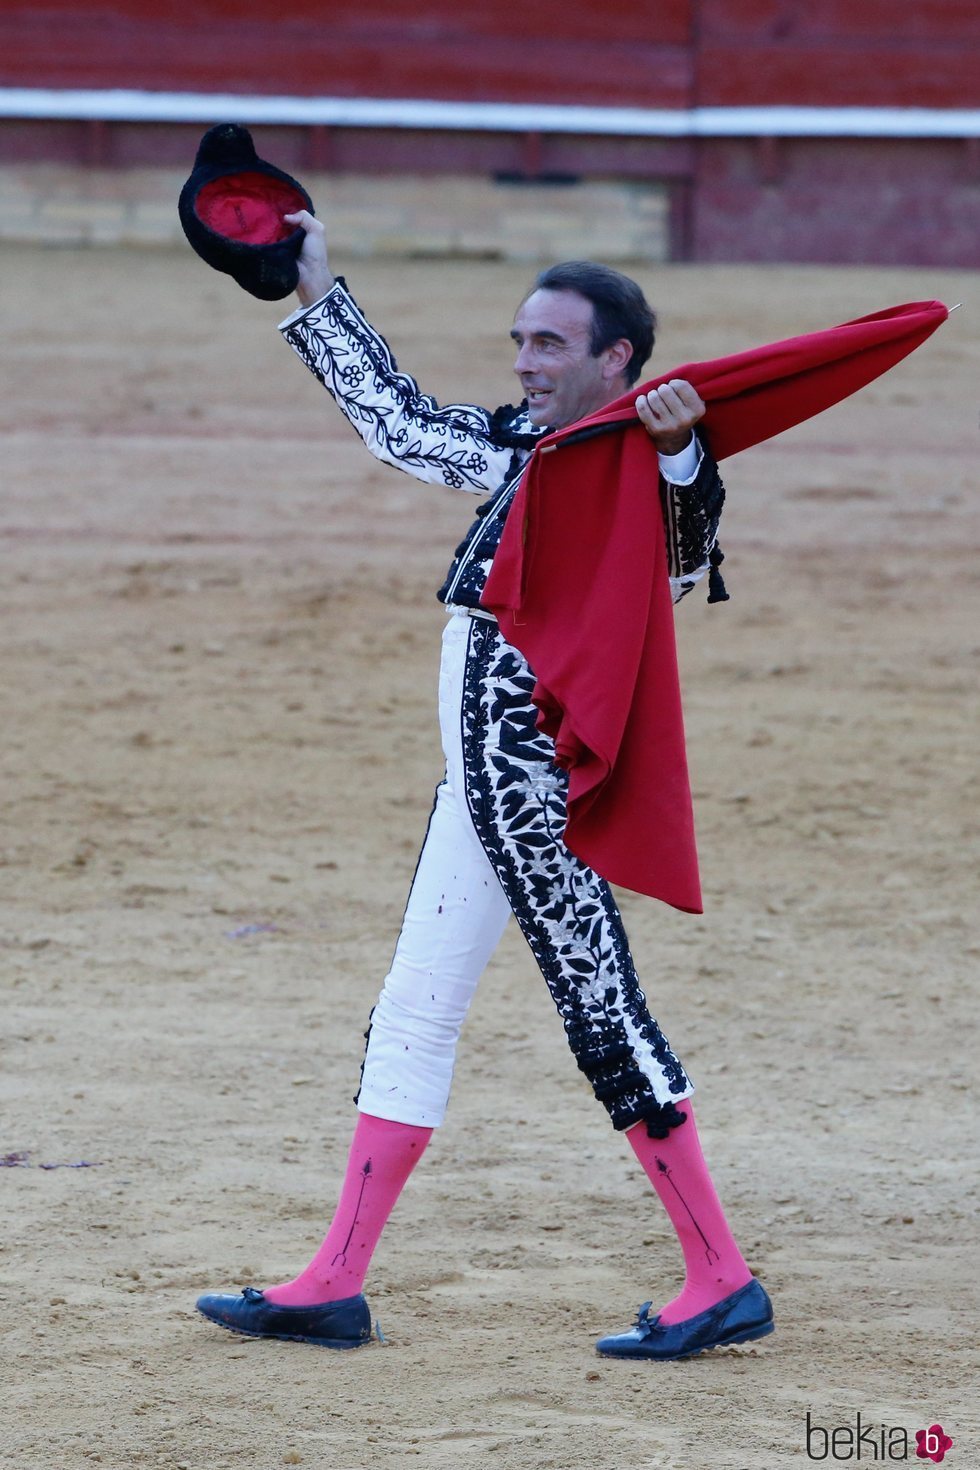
<point>710,1253</point>
<point>341,1256</point>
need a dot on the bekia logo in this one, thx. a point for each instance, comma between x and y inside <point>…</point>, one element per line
<point>862,1442</point>
<point>932,1443</point>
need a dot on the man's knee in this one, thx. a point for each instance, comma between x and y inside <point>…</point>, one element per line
<point>425,1012</point>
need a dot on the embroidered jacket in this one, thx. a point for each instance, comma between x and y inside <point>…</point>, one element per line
<point>470,448</point>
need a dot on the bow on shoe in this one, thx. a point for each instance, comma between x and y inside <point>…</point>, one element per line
<point>644,1322</point>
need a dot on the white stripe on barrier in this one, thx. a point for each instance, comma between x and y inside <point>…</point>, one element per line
<point>365,112</point>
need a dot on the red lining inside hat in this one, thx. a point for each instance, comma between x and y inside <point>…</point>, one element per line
<point>248,207</point>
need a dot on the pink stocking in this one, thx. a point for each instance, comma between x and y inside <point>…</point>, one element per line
<point>676,1168</point>
<point>382,1155</point>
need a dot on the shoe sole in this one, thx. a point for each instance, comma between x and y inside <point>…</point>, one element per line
<point>749,1334</point>
<point>340,1344</point>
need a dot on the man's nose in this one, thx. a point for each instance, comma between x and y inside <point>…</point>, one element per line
<point>524,361</point>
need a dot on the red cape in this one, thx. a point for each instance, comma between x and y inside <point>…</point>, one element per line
<point>579,584</point>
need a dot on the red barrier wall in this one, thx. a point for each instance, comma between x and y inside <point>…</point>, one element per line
<point>551,51</point>
<point>653,53</point>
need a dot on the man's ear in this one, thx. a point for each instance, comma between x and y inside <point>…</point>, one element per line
<point>617,358</point>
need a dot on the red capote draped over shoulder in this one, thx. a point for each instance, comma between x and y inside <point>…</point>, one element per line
<point>579,584</point>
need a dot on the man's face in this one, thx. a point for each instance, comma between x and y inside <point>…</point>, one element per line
<point>561,379</point>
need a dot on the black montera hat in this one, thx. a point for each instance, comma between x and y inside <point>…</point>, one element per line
<point>232,209</point>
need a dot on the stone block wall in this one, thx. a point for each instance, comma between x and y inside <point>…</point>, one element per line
<point>407,215</point>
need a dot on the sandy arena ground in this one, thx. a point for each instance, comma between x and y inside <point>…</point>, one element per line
<point>220,648</point>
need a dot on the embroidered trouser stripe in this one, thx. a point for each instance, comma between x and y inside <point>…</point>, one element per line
<point>516,796</point>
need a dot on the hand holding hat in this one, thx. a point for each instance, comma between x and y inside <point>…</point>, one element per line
<point>315,276</point>
<point>234,210</point>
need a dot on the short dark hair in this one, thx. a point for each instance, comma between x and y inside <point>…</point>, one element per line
<point>619,307</point>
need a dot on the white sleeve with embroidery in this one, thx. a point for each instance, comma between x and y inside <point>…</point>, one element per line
<point>400,425</point>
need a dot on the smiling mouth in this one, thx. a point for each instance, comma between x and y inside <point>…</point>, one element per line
<point>537,395</point>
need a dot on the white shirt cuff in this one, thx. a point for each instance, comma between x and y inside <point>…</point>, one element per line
<point>681,469</point>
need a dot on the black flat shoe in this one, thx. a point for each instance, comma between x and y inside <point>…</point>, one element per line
<point>744,1315</point>
<point>343,1324</point>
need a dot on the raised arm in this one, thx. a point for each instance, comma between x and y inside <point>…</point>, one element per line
<point>456,445</point>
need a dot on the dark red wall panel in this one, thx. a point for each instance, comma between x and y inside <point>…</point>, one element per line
<point>839,53</point>
<point>583,20</point>
<point>552,51</point>
<point>788,20</point>
<point>831,74</point>
<point>847,202</point>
